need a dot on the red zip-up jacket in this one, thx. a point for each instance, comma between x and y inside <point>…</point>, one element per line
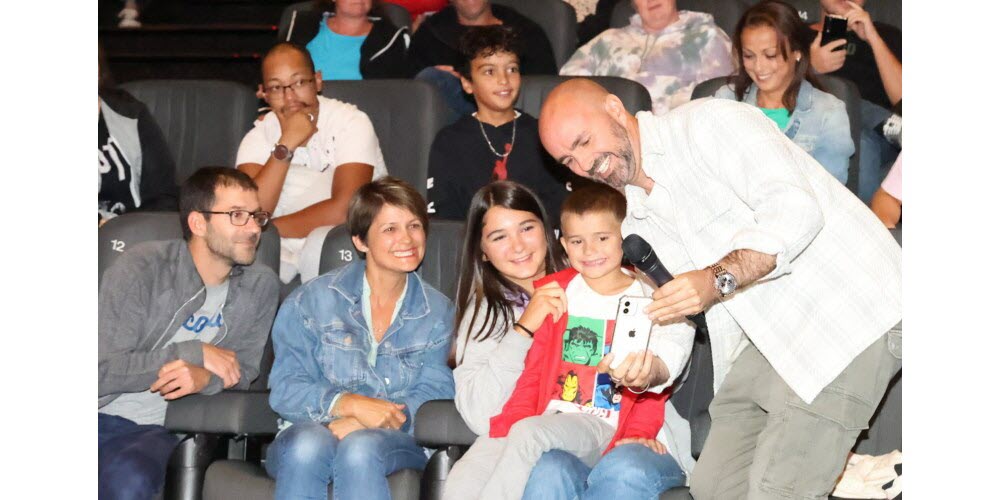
<point>641,415</point>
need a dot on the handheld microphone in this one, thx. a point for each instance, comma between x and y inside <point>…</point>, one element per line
<point>642,256</point>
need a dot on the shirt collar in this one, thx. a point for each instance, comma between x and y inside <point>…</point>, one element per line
<point>803,101</point>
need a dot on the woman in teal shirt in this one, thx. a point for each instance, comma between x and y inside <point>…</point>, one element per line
<point>348,40</point>
<point>773,73</point>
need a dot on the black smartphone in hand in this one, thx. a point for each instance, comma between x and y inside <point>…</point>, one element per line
<point>834,28</point>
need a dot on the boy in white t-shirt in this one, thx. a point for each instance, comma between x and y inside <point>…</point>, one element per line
<point>561,401</point>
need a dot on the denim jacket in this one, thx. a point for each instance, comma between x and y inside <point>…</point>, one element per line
<point>818,125</point>
<point>321,346</point>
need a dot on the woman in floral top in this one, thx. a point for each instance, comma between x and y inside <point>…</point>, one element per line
<point>666,50</point>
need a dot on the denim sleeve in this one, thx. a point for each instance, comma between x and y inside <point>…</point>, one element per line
<point>835,146</point>
<point>299,390</point>
<point>435,380</point>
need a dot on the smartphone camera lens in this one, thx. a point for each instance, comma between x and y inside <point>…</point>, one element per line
<point>625,311</point>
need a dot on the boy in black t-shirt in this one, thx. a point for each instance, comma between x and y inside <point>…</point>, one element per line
<point>496,142</point>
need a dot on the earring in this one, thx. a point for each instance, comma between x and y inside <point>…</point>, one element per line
<point>798,58</point>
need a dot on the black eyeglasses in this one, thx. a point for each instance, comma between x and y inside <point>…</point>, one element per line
<point>278,90</point>
<point>241,217</point>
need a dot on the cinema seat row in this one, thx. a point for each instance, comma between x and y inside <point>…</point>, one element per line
<point>225,436</point>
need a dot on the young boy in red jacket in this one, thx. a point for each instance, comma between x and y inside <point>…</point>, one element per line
<point>560,401</point>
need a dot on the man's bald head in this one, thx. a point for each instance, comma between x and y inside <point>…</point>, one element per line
<point>283,50</point>
<point>588,129</point>
<point>576,95</point>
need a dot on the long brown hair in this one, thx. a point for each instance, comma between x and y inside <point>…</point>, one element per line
<point>793,35</point>
<point>480,285</point>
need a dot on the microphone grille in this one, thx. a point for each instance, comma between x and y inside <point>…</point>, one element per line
<point>636,249</point>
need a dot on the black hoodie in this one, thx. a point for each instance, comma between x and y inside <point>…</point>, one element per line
<point>436,42</point>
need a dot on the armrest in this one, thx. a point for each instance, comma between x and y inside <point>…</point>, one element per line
<point>228,412</point>
<point>897,232</point>
<point>438,425</point>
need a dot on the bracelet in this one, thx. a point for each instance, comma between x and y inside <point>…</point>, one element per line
<point>526,330</point>
<point>644,389</point>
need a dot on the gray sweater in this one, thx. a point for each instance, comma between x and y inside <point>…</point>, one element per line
<point>145,297</point>
<point>487,370</point>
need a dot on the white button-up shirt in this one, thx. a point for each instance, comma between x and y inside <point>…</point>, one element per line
<point>726,179</point>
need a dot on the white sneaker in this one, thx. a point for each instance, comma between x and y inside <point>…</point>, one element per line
<point>129,18</point>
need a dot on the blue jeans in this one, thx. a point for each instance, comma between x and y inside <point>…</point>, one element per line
<point>305,458</point>
<point>629,471</point>
<point>131,458</point>
<point>877,154</point>
<point>450,88</point>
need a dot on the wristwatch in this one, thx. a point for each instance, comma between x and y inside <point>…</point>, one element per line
<point>280,152</point>
<point>725,282</point>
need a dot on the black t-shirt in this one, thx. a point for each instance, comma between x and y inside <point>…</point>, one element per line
<point>461,162</point>
<point>115,194</point>
<point>860,66</point>
<point>436,42</point>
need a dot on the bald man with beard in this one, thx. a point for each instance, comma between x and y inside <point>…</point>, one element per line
<point>800,283</point>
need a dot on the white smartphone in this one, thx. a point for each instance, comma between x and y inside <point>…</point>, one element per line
<point>632,328</point>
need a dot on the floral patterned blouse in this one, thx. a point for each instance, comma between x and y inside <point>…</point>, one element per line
<point>669,63</point>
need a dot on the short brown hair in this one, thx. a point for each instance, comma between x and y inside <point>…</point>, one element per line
<point>595,197</point>
<point>197,194</point>
<point>369,199</point>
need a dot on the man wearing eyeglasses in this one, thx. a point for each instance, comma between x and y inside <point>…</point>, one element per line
<point>308,155</point>
<point>179,317</point>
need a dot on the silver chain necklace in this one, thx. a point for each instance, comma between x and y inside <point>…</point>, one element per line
<point>513,134</point>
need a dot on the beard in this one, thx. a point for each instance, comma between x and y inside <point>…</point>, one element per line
<point>621,174</point>
<point>228,250</point>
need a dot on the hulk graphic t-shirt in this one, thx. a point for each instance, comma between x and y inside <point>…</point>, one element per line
<point>578,388</point>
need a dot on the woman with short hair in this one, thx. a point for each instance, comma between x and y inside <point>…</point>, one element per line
<point>356,352</point>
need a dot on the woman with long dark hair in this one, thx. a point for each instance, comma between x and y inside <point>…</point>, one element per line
<point>771,53</point>
<point>509,243</point>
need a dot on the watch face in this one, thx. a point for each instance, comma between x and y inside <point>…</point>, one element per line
<point>725,283</point>
<point>280,152</point>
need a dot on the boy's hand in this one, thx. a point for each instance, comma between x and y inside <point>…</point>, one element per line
<point>639,370</point>
<point>652,444</point>
<point>546,300</point>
